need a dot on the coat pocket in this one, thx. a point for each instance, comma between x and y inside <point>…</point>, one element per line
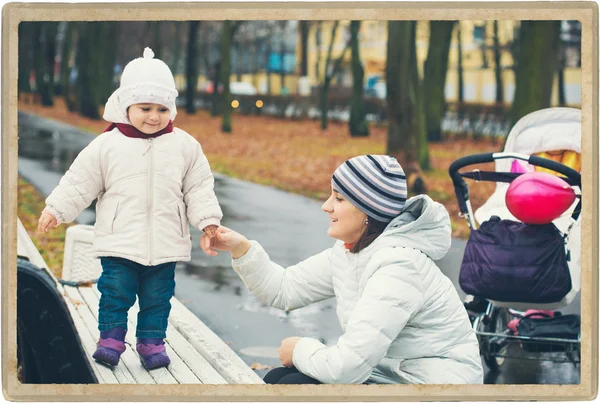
<point>184,226</point>
<point>106,215</point>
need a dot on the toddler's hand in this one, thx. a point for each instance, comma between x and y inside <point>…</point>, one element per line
<point>225,240</point>
<point>46,221</point>
<point>211,230</point>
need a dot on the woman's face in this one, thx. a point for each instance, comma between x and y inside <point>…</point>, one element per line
<point>347,222</point>
<point>148,118</point>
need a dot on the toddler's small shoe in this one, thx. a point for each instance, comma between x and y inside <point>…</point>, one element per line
<point>152,352</point>
<point>110,346</point>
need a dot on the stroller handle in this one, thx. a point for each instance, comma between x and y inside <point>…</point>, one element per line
<point>462,189</point>
<point>568,172</point>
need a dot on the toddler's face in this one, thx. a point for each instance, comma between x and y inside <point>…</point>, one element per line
<point>148,118</point>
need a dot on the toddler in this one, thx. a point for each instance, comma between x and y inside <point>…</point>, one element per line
<point>152,180</point>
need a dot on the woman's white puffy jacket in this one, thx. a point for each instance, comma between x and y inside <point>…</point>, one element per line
<point>402,318</point>
<point>149,191</point>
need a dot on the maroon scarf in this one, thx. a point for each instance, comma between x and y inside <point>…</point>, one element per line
<point>131,131</point>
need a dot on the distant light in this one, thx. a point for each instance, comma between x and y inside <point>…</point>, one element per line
<point>259,104</point>
<point>235,103</point>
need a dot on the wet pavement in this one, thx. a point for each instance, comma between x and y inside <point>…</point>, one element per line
<point>290,227</point>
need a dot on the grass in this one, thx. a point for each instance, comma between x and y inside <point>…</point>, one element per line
<point>50,245</point>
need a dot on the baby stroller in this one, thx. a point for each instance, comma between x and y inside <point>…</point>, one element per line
<point>524,324</point>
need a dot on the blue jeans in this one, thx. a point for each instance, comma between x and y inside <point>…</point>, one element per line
<point>121,281</point>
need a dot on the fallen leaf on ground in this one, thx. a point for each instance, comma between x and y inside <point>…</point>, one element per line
<point>259,366</point>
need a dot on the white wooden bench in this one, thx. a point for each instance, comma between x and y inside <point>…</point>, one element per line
<point>198,355</point>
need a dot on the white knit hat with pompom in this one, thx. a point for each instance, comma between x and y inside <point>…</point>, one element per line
<point>144,80</point>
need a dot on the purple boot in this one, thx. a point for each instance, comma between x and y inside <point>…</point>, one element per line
<point>110,346</point>
<point>152,353</point>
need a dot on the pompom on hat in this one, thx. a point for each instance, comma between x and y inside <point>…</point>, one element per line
<point>144,80</point>
<point>375,184</point>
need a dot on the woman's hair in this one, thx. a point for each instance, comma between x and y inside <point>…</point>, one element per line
<point>373,230</point>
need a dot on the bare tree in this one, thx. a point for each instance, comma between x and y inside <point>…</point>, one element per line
<point>330,72</point>
<point>26,39</point>
<point>45,36</point>
<point>227,33</point>
<point>358,124</point>
<point>405,123</point>
<point>65,67</point>
<point>304,28</point>
<point>461,97</point>
<point>498,66</point>
<point>282,27</point>
<point>191,71</point>
<point>537,64</point>
<point>435,70</point>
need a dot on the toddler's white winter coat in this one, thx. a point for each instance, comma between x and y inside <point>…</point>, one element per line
<point>149,191</point>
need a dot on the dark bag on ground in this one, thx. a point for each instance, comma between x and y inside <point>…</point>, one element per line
<point>510,261</point>
<point>563,327</point>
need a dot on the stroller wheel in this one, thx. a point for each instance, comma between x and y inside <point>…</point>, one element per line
<point>497,347</point>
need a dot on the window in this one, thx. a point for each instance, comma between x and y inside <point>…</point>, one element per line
<point>479,34</point>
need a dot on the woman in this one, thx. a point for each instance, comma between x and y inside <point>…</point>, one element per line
<point>403,320</point>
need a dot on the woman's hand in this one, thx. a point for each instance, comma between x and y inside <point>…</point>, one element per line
<point>286,351</point>
<point>225,240</point>
<point>46,221</point>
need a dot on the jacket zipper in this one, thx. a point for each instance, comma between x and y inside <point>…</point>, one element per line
<point>150,203</point>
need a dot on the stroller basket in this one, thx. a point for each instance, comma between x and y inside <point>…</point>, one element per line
<point>504,344</point>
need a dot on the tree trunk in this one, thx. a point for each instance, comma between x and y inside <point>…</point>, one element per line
<point>537,65</point>
<point>562,101</point>
<point>435,71</point>
<point>154,33</point>
<point>87,61</point>
<point>281,71</point>
<point>561,74</point>
<point>498,66</point>
<point>268,53</point>
<point>177,54</point>
<point>65,68</point>
<point>329,74</point>
<point>225,74</point>
<point>358,116</point>
<point>304,48</point>
<point>191,68</point>
<point>461,97</point>
<point>239,49</point>
<point>484,59</point>
<point>282,90</point>
<point>107,56</point>
<point>25,60</point>
<point>217,97</point>
<point>45,35</point>
<point>417,84</point>
<point>38,58</point>
<point>403,121</point>
<point>318,32</point>
<point>71,88</point>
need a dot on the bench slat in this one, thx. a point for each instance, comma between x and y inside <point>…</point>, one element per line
<point>215,351</point>
<point>196,362</point>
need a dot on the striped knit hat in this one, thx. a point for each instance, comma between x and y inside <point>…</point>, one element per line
<point>376,185</point>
